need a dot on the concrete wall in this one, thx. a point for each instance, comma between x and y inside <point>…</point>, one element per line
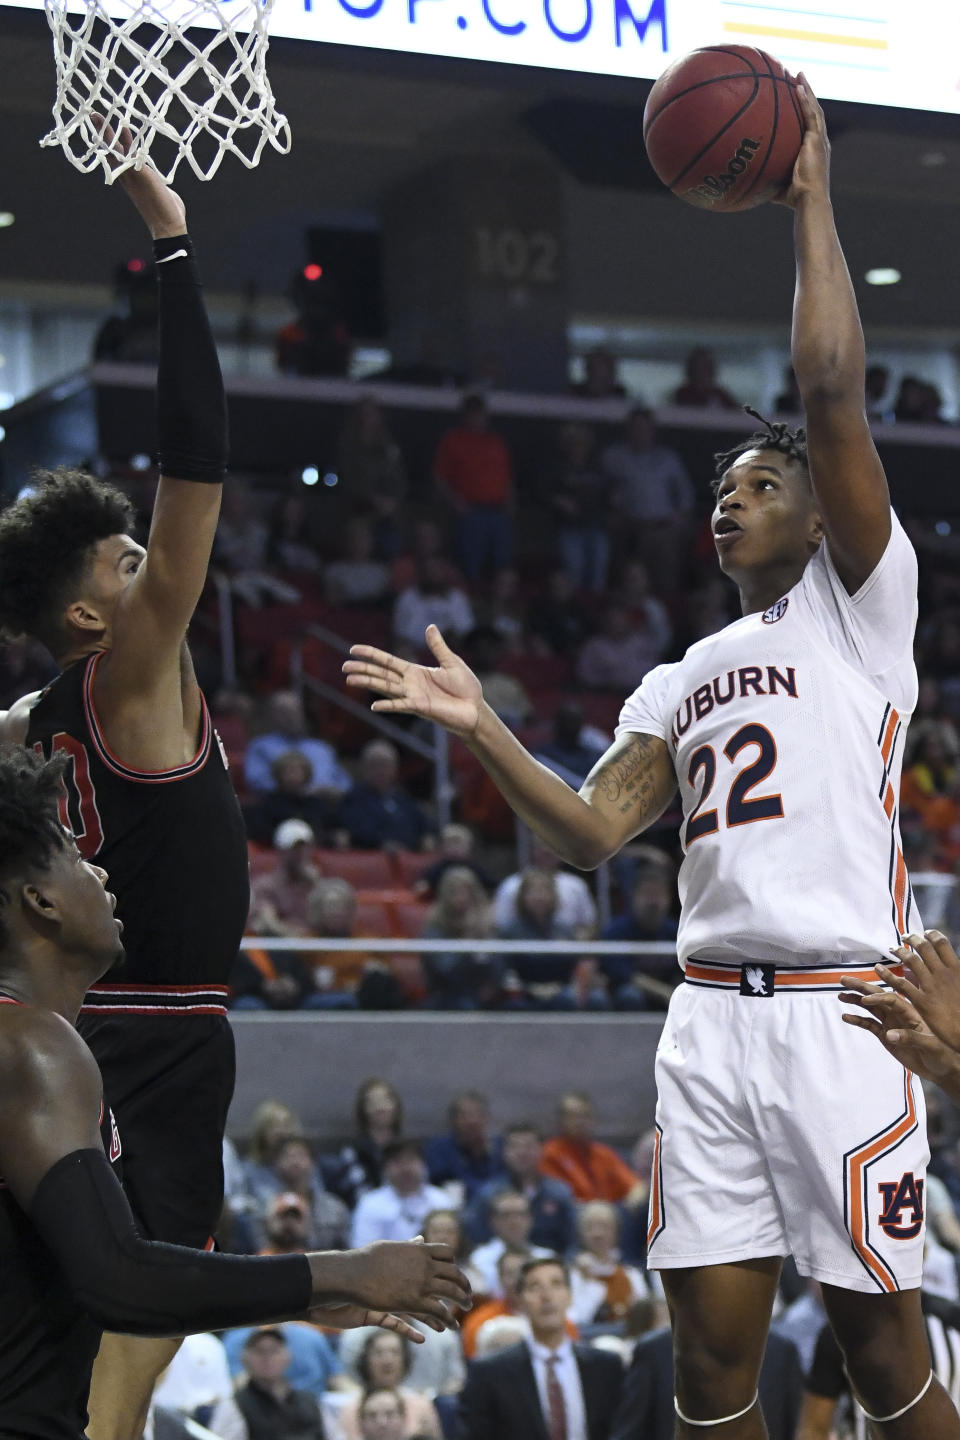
<point>314,1063</point>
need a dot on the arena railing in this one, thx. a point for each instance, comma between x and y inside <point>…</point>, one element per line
<point>408,945</point>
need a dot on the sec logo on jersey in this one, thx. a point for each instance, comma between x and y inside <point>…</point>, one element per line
<point>776,612</point>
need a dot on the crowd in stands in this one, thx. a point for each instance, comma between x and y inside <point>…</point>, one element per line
<point>551,1232</point>
<point>561,587</point>
<point>562,590</point>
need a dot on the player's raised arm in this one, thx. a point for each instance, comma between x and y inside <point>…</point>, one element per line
<point>152,617</point>
<point>829,361</point>
<point>627,790</point>
<point>53,1162</point>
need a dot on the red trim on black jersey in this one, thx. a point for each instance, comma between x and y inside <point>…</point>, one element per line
<point>115,764</point>
<point>156,1000</point>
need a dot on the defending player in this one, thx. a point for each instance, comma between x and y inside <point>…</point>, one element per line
<point>71,1260</point>
<point>147,789</point>
<point>777,1132</point>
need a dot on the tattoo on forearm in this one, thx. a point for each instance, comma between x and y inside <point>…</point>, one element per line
<point>631,781</point>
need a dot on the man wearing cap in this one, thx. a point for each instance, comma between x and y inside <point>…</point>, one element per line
<point>268,1406</point>
<point>397,1210</point>
<point>298,1212</point>
<point>279,901</point>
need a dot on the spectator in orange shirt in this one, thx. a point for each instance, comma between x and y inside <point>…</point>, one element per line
<point>473,472</point>
<point>592,1170</point>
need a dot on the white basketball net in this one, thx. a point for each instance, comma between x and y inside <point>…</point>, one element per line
<point>184,93</point>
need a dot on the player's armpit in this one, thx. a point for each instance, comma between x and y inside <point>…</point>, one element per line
<point>50,1098</point>
<point>630,787</point>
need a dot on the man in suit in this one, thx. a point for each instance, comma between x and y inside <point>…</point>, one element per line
<point>545,1388</point>
<point>646,1403</point>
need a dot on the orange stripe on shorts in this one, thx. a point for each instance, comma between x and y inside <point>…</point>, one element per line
<point>857,1163</point>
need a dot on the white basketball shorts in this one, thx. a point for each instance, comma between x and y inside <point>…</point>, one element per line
<point>781,1130</point>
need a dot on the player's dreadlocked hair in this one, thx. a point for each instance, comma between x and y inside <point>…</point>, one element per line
<point>46,540</point>
<point>774,436</point>
<point>30,829</point>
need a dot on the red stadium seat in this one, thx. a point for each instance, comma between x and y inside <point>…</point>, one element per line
<point>409,865</point>
<point>373,919</point>
<point>409,917</point>
<point>365,869</point>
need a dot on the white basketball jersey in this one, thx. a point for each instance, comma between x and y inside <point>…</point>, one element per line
<point>786,731</point>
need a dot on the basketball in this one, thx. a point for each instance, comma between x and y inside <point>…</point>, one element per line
<point>723,127</point>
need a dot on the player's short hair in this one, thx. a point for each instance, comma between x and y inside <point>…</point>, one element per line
<point>30,828</point>
<point>776,435</point>
<point>46,542</point>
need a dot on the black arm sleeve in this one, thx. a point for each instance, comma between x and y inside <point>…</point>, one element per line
<point>191,404</point>
<point>140,1287</point>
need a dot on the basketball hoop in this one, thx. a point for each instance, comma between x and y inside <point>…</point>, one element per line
<point>187,78</point>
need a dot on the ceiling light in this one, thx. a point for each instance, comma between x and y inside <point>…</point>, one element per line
<point>932,159</point>
<point>7,218</point>
<point>883,275</point>
<point>310,475</point>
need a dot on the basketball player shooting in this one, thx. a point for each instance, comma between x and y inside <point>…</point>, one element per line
<point>71,1259</point>
<point>777,1132</point>
<point>146,788</point>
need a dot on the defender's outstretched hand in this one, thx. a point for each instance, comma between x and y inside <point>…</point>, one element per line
<point>932,985</point>
<point>899,1028</point>
<point>406,1278</point>
<point>163,212</point>
<point>811,173</point>
<point>447,692</point>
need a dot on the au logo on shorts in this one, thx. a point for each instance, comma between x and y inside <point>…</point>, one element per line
<point>776,612</point>
<point>905,1194</point>
<point>757,980</point>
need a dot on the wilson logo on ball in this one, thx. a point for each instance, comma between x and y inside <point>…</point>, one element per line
<point>712,187</point>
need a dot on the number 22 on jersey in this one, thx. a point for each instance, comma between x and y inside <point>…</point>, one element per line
<point>742,807</point>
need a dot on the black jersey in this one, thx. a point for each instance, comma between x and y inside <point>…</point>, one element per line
<point>172,842</point>
<point>47,1343</point>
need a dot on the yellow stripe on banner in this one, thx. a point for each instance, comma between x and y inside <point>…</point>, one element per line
<point>821,37</point>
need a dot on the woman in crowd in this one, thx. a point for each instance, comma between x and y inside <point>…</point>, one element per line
<point>460,979</point>
<point>544,980</point>
<point>437,1366</point>
<point>271,1124</point>
<point>378,1115</point>
<point>604,1288</point>
<point>384,1364</point>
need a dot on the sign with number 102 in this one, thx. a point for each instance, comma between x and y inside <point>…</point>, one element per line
<point>512,256</point>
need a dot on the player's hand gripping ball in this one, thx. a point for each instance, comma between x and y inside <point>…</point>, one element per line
<point>723,127</point>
